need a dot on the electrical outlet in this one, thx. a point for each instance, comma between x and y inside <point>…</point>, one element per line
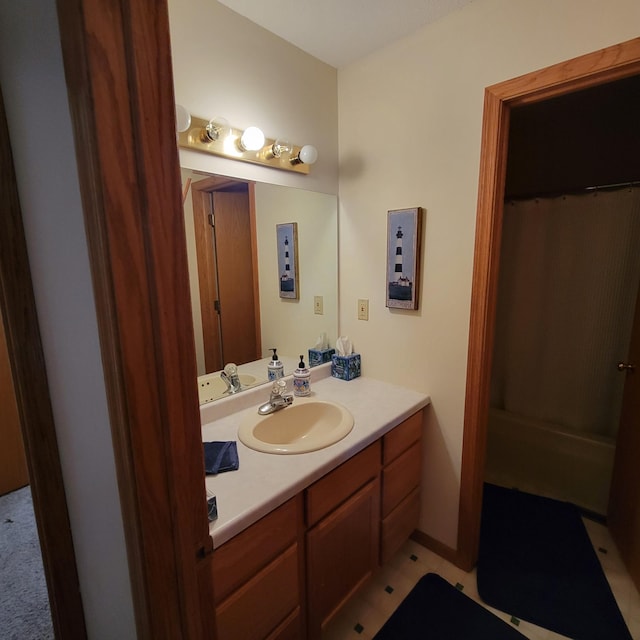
<point>363,309</point>
<point>317,305</point>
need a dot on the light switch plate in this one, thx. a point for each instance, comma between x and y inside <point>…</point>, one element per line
<point>363,309</point>
<point>317,305</point>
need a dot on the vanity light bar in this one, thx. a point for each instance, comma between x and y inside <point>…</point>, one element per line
<point>227,146</point>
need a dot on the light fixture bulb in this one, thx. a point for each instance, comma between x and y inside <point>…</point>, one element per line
<point>252,139</point>
<point>307,155</point>
<point>281,147</point>
<point>216,128</point>
<point>183,118</point>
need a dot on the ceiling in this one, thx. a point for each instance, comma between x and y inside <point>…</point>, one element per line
<point>341,31</point>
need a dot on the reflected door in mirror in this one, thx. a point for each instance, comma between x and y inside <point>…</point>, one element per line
<point>226,274</point>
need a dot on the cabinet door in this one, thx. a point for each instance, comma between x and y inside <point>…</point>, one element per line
<point>342,553</point>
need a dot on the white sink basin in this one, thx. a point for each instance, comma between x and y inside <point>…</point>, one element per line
<point>306,425</point>
<point>212,387</point>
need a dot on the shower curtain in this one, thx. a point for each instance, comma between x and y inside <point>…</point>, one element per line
<point>569,274</point>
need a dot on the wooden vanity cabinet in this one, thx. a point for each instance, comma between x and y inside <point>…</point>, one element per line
<point>259,578</point>
<point>286,576</point>
<point>343,517</point>
<point>401,471</point>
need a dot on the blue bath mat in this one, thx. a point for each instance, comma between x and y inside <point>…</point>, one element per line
<point>536,562</point>
<point>435,610</point>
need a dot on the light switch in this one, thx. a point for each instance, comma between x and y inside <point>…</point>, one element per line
<point>317,305</point>
<point>363,309</point>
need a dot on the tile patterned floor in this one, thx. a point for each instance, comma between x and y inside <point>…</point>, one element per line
<point>367,612</point>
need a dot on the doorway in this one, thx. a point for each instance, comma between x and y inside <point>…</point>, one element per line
<point>32,413</point>
<point>614,63</point>
<point>569,273</point>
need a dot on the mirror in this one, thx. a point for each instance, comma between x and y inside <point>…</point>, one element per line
<point>244,313</point>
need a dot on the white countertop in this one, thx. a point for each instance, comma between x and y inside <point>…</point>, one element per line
<point>264,481</point>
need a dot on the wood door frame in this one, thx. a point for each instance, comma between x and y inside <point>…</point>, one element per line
<point>606,65</point>
<point>118,70</point>
<point>205,258</point>
<point>37,426</point>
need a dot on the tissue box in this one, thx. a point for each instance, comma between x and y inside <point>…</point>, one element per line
<point>320,356</point>
<point>345,367</point>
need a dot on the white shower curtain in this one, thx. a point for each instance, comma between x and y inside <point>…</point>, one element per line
<point>569,274</point>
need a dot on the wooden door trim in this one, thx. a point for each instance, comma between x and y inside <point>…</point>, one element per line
<point>36,414</point>
<point>119,79</point>
<point>207,283</point>
<point>609,64</point>
<point>256,275</point>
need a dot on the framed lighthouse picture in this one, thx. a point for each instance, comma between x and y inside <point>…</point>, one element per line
<point>287,236</point>
<point>404,232</point>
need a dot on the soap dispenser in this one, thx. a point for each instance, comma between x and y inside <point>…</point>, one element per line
<point>275,368</point>
<point>301,380</point>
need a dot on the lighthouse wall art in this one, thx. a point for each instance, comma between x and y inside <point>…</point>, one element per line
<point>404,233</point>
<point>287,238</point>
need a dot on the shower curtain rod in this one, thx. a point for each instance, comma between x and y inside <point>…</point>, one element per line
<point>618,185</point>
<point>577,191</point>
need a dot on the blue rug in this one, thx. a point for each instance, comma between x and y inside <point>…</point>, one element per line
<point>536,562</point>
<point>435,610</point>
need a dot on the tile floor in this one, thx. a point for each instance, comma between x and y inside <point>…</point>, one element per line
<point>367,612</point>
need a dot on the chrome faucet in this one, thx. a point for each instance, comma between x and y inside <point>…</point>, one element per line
<point>277,400</point>
<point>230,377</point>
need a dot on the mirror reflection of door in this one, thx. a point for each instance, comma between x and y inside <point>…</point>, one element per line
<point>224,220</point>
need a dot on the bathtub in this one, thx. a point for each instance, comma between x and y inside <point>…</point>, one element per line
<point>549,460</point>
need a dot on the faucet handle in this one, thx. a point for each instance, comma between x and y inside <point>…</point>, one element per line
<point>279,387</point>
<point>231,369</point>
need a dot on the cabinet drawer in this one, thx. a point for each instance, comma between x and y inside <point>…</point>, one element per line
<point>245,554</point>
<point>259,606</point>
<point>399,525</point>
<point>400,478</point>
<point>401,438</point>
<point>329,492</point>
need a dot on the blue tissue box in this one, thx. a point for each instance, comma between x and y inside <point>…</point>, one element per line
<point>345,367</point>
<point>320,356</point>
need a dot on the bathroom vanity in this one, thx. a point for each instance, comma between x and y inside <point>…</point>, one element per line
<point>299,534</point>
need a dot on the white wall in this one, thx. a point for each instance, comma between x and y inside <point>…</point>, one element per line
<point>225,65</point>
<point>410,120</point>
<point>291,325</point>
<point>33,86</point>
